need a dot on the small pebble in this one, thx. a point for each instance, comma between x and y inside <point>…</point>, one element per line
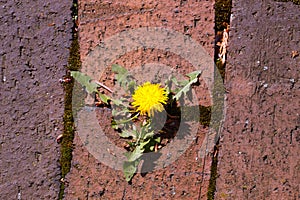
<point>59,138</point>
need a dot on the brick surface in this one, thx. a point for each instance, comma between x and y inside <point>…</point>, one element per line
<point>186,178</point>
<point>260,142</point>
<point>35,37</point>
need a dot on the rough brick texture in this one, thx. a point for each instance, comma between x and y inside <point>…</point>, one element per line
<point>259,155</point>
<point>35,37</point>
<point>184,179</point>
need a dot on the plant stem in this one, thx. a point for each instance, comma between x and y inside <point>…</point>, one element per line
<point>104,86</point>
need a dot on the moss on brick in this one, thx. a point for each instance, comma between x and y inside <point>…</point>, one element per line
<point>222,14</point>
<point>222,19</point>
<point>74,63</point>
<point>213,176</point>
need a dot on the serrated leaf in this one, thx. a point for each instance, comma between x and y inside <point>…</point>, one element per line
<point>194,75</point>
<point>131,86</point>
<point>123,78</point>
<point>169,83</point>
<point>142,132</point>
<point>127,134</point>
<point>123,119</point>
<point>136,154</point>
<point>119,69</point>
<point>129,169</point>
<point>119,112</point>
<point>85,81</point>
<point>121,74</point>
<point>183,83</point>
<point>118,102</point>
<point>174,80</point>
<point>148,135</point>
<point>193,78</point>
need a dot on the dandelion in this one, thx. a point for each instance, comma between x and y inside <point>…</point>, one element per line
<point>148,98</point>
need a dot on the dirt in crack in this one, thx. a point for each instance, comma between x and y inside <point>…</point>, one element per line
<point>222,21</point>
<point>74,64</point>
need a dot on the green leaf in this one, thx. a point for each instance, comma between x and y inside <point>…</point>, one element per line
<point>143,144</point>
<point>114,124</point>
<point>131,86</point>
<point>174,80</point>
<point>121,74</point>
<point>85,81</point>
<point>116,112</point>
<point>136,154</point>
<point>123,78</point>
<point>169,83</point>
<point>90,87</point>
<point>118,102</point>
<point>129,169</point>
<point>193,78</point>
<point>124,119</point>
<point>131,144</point>
<point>150,144</point>
<point>103,97</point>
<point>133,159</point>
<point>158,140</point>
<point>194,75</point>
<point>127,134</point>
<point>121,71</point>
<point>148,135</point>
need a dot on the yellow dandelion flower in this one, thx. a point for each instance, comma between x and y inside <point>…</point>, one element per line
<point>148,98</point>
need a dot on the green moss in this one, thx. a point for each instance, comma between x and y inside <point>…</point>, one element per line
<point>68,135</point>
<point>221,67</point>
<point>74,58</point>
<point>222,19</point>
<point>205,115</point>
<point>74,63</point>
<point>213,176</point>
<point>222,14</point>
<point>61,192</point>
